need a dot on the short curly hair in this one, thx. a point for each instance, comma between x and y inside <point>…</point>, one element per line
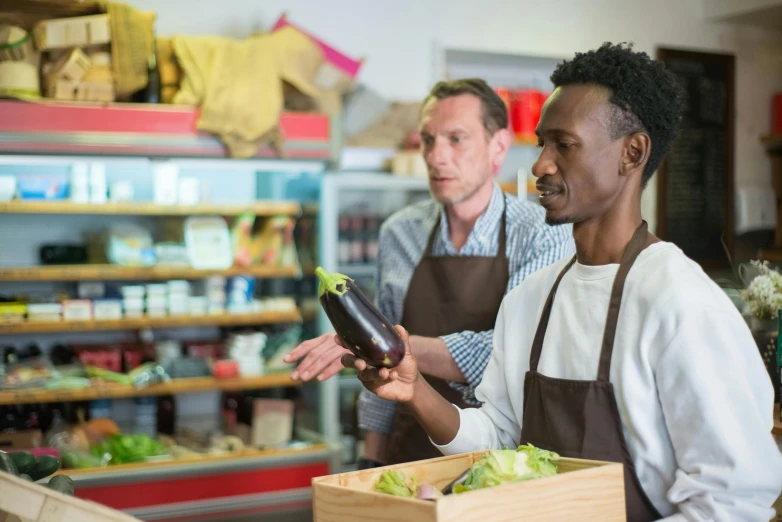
<point>647,96</point>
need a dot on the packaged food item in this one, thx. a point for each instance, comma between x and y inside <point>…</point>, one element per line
<point>107,309</point>
<point>44,312</point>
<point>77,310</point>
<point>12,312</point>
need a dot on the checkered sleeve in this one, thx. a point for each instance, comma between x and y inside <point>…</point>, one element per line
<point>472,350</point>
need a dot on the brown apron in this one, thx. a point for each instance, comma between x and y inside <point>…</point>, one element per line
<point>447,294</point>
<point>580,419</point>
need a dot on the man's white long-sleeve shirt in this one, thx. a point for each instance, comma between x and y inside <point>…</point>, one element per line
<point>694,397</point>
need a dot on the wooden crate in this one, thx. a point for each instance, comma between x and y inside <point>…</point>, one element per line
<point>582,490</point>
<point>23,501</point>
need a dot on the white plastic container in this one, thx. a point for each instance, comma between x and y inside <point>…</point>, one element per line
<point>77,310</point>
<point>157,290</point>
<point>48,312</point>
<point>133,292</point>
<point>107,309</point>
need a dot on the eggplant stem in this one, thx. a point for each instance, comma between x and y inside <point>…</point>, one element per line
<point>335,283</point>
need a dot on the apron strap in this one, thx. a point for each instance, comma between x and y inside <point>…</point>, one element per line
<point>435,228</point>
<point>540,334</point>
<point>503,223</point>
<point>634,247</point>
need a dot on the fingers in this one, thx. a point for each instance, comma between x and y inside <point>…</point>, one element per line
<point>405,337</point>
<point>304,348</point>
<point>351,361</point>
<point>338,341</point>
<point>331,370</point>
<point>305,369</point>
<point>319,359</point>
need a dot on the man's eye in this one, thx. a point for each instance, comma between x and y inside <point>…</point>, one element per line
<point>457,139</point>
<point>563,145</point>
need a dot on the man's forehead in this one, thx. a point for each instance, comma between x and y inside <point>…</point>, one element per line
<point>573,104</point>
<point>461,110</point>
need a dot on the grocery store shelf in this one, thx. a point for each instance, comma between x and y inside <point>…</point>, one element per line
<point>135,273</point>
<point>151,322</point>
<point>241,457</point>
<point>270,208</point>
<point>121,391</point>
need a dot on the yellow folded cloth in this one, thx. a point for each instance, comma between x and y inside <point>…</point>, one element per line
<point>238,84</point>
<point>132,40</point>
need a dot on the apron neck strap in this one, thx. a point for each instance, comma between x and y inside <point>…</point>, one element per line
<point>540,333</point>
<point>502,242</point>
<point>634,248</point>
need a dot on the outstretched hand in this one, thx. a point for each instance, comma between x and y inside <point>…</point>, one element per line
<point>321,358</point>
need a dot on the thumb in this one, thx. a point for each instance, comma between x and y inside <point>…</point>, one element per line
<point>405,338</point>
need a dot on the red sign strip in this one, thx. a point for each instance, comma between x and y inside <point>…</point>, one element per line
<point>160,492</point>
<point>135,118</point>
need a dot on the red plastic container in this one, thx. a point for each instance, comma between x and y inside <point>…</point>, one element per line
<point>525,113</point>
<point>776,123</point>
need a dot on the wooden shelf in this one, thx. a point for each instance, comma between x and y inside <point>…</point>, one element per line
<point>120,391</point>
<point>151,322</point>
<point>270,208</point>
<point>135,273</point>
<point>771,255</point>
<point>194,461</point>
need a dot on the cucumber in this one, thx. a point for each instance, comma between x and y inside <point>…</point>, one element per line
<point>24,460</point>
<point>45,465</point>
<point>7,464</point>
<point>26,477</point>
<point>61,483</point>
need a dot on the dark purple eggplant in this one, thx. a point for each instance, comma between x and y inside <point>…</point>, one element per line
<point>358,323</point>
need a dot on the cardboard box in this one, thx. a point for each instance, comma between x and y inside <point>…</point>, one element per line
<point>21,440</point>
<point>78,31</point>
<point>582,490</point>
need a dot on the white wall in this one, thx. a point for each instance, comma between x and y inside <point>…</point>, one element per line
<point>399,38</point>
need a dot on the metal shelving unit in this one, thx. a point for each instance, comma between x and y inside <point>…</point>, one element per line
<point>383,194</point>
<point>33,223</point>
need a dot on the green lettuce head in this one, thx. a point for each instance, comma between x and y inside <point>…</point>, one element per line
<point>506,466</point>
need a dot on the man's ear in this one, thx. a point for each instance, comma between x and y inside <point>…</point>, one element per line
<point>499,145</point>
<point>636,152</point>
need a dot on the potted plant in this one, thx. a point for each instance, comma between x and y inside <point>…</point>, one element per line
<point>763,300</point>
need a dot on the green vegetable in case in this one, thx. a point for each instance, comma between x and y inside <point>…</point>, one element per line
<point>24,460</point>
<point>358,323</point>
<point>45,465</point>
<point>7,464</point>
<point>506,466</point>
<point>61,483</point>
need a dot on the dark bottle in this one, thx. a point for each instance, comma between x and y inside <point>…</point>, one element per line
<point>230,412</point>
<point>166,415</point>
<point>10,355</point>
<point>150,93</point>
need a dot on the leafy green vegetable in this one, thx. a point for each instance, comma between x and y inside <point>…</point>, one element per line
<point>395,483</point>
<point>506,466</point>
<point>128,448</point>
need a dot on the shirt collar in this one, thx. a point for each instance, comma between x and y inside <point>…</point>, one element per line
<point>485,228</point>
